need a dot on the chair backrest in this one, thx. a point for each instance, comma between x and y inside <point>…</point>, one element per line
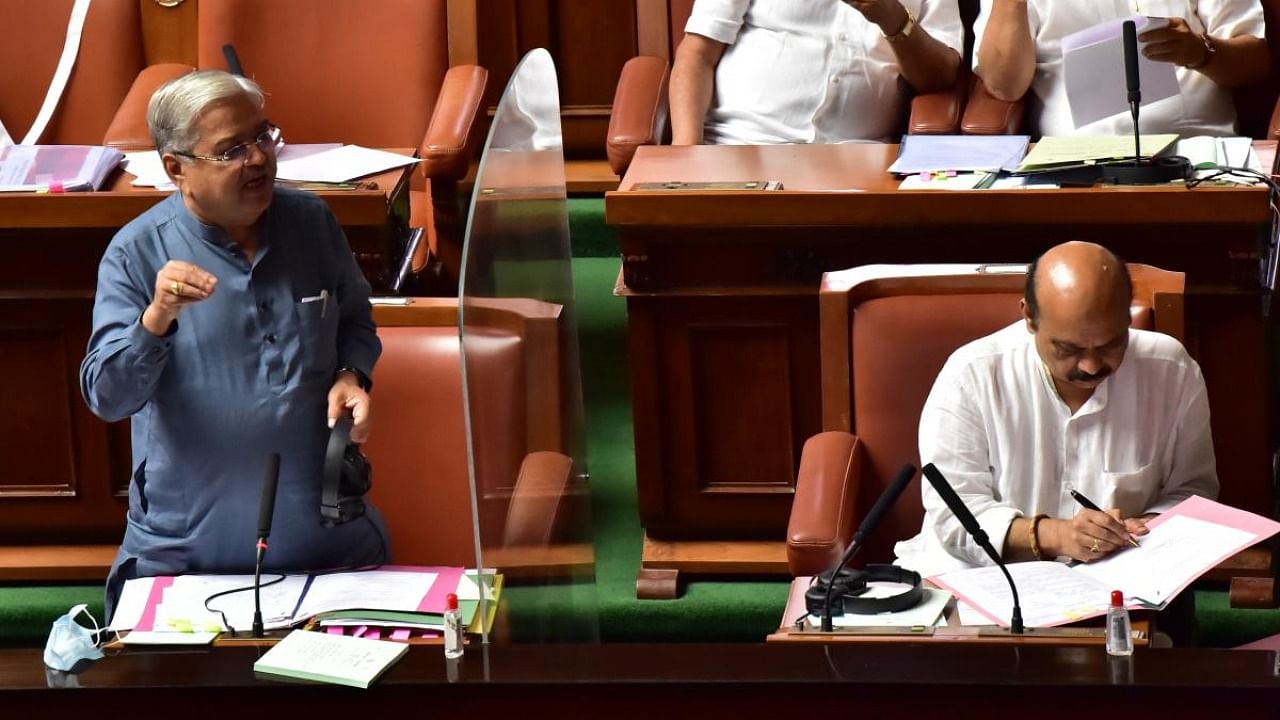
<point>418,445</point>
<point>886,332</point>
<point>336,70</point>
<point>111,55</point>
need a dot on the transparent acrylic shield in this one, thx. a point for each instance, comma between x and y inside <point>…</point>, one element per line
<point>521,379</point>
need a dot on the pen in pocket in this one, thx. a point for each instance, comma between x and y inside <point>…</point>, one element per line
<point>322,298</point>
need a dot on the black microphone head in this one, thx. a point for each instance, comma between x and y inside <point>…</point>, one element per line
<point>268,506</point>
<point>953,501</point>
<point>233,60</point>
<point>1132,81</point>
<point>886,500</point>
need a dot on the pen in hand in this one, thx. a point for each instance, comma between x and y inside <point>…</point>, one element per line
<point>1088,504</point>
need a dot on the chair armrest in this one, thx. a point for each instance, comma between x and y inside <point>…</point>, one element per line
<point>128,129</point>
<point>985,114</point>
<point>535,502</point>
<point>939,113</point>
<point>446,148</point>
<point>639,115</point>
<point>822,511</point>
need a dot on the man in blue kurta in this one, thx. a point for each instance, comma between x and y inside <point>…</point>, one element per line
<point>230,322</point>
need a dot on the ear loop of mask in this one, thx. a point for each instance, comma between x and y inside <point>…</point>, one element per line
<point>98,631</point>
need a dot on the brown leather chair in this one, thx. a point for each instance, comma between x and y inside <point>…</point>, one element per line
<point>640,103</point>
<point>109,59</point>
<point>346,71</point>
<point>885,333</point>
<point>418,445</point>
<point>1257,108</point>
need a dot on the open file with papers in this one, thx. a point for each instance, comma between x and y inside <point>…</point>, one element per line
<point>1184,543</point>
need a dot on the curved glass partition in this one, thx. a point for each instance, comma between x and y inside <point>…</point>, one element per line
<point>521,380</point>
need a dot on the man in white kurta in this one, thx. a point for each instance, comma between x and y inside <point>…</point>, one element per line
<point>1217,45</point>
<point>762,72</point>
<point>1070,397</point>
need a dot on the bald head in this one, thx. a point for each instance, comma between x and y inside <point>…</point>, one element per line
<point>1078,282</point>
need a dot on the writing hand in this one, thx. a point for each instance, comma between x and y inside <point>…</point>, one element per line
<point>1090,535</point>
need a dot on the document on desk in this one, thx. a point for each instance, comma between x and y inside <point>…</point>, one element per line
<point>185,604</point>
<point>961,153</point>
<point>1093,68</point>
<point>341,164</point>
<point>56,168</point>
<point>148,170</point>
<point>1055,150</point>
<point>1210,155</point>
<point>1184,543</point>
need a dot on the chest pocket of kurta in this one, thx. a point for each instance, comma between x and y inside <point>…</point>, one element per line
<point>317,335</point>
<point>1133,492</point>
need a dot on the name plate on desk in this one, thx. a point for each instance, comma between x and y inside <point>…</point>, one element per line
<point>680,185</point>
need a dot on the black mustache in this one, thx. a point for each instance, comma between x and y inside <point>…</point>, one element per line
<point>1078,375</point>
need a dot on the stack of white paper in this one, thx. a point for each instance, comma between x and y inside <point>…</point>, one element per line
<point>57,168</point>
<point>1093,68</point>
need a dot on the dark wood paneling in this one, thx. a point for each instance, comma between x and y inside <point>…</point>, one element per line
<point>740,396</point>
<point>36,439</point>
<point>65,471</point>
<point>730,374</point>
<point>589,41</point>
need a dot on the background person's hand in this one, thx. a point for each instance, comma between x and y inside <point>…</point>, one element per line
<point>346,395</point>
<point>178,284</point>
<point>890,15</point>
<point>1174,43</point>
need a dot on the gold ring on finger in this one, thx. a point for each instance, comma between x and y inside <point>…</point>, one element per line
<point>1094,548</point>
<point>176,288</point>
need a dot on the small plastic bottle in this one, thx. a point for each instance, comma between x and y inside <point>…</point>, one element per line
<point>453,646</point>
<point>1119,631</point>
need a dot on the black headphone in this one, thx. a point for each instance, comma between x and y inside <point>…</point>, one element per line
<point>347,477</point>
<point>849,586</point>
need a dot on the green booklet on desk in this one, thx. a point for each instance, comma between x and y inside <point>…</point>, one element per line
<point>1051,152</point>
<point>337,659</point>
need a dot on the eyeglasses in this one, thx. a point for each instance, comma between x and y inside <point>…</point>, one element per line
<point>267,141</point>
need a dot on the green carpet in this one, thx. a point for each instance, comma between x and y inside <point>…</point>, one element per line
<point>707,611</point>
<point>591,237</point>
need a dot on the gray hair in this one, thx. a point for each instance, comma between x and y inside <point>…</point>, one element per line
<point>177,105</point>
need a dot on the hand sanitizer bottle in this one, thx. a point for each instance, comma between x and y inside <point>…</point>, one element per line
<point>453,628</point>
<point>1119,631</point>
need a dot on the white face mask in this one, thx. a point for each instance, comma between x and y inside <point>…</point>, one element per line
<point>70,642</point>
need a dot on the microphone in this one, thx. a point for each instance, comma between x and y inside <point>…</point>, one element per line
<point>1132,81</point>
<point>233,60</point>
<point>869,523</point>
<point>971,526</point>
<point>1140,172</point>
<point>265,511</point>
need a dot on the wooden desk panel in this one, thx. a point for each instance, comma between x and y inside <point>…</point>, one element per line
<point>67,473</point>
<point>721,291</point>
<point>647,681</point>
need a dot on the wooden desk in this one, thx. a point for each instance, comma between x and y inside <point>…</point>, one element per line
<point>721,291</point>
<point>64,486</point>
<point>1084,635</point>
<point>684,680</point>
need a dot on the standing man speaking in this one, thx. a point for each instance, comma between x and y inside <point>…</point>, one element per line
<point>230,322</point>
